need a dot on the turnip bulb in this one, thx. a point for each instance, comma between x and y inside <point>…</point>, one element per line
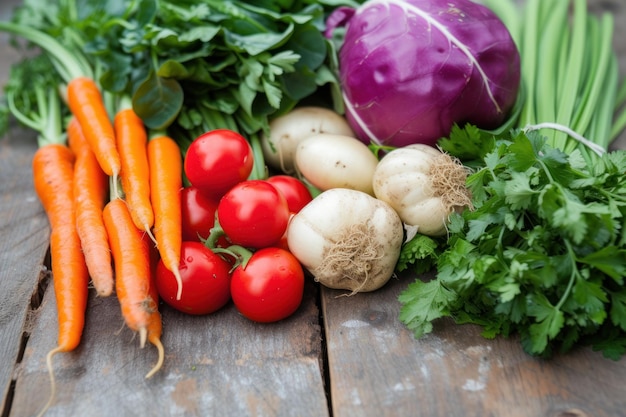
<point>423,185</point>
<point>411,69</point>
<point>287,131</point>
<point>336,161</point>
<point>347,240</point>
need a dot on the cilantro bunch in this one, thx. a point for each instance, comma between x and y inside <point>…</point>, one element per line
<point>543,254</point>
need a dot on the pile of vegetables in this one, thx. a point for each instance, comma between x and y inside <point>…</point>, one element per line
<point>118,94</point>
<point>197,153</point>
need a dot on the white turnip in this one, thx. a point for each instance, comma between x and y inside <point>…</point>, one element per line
<point>287,131</point>
<point>336,161</point>
<point>423,185</point>
<point>347,240</point>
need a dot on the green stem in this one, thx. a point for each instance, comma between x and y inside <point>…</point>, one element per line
<point>602,123</point>
<point>597,77</point>
<point>239,253</point>
<point>48,123</point>
<point>53,128</point>
<point>124,102</point>
<point>619,124</point>
<point>259,169</point>
<point>19,115</point>
<point>572,277</point>
<point>67,64</point>
<point>573,76</point>
<point>529,44</point>
<point>549,47</point>
<point>215,234</point>
<point>620,97</point>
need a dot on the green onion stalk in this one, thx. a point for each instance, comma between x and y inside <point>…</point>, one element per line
<point>570,75</point>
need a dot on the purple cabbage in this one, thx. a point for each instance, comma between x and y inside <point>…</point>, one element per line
<point>411,69</point>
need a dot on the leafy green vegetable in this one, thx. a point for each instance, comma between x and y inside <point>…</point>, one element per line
<point>543,253</point>
<point>191,66</point>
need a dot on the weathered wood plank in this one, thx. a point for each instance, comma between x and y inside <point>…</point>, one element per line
<point>23,246</point>
<point>221,364</point>
<point>377,368</point>
<point>23,231</point>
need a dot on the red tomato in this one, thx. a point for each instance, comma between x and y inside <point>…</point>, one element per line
<point>206,281</point>
<point>198,214</point>
<point>293,189</point>
<point>217,160</point>
<point>253,214</point>
<point>271,286</point>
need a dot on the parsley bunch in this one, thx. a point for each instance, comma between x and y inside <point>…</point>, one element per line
<point>543,254</point>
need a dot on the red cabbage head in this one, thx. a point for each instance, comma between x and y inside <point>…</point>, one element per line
<point>411,69</point>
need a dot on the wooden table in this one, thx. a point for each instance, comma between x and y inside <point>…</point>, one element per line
<point>337,356</point>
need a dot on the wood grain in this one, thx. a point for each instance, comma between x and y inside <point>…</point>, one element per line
<point>23,246</point>
<point>377,368</point>
<point>217,365</point>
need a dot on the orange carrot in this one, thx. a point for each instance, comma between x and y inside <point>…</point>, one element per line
<point>134,282</point>
<point>131,257</point>
<point>53,167</point>
<point>86,104</point>
<point>131,139</point>
<point>165,161</point>
<point>83,95</point>
<point>91,188</point>
<point>53,170</point>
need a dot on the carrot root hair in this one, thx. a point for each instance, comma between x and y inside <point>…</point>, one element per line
<point>53,385</point>
<point>161,351</point>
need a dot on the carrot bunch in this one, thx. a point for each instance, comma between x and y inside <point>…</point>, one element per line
<point>111,194</point>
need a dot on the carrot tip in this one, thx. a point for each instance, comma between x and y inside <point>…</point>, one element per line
<point>143,335</point>
<point>150,235</point>
<point>159,364</point>
<point>179,282</point>
<point>116,186</point>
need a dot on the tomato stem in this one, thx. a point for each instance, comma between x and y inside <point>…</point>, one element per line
<point>214,234</point>
<point>240,254</point>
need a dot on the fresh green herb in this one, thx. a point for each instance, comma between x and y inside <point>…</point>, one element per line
<point>543,253</point>
<point>419,254</point>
